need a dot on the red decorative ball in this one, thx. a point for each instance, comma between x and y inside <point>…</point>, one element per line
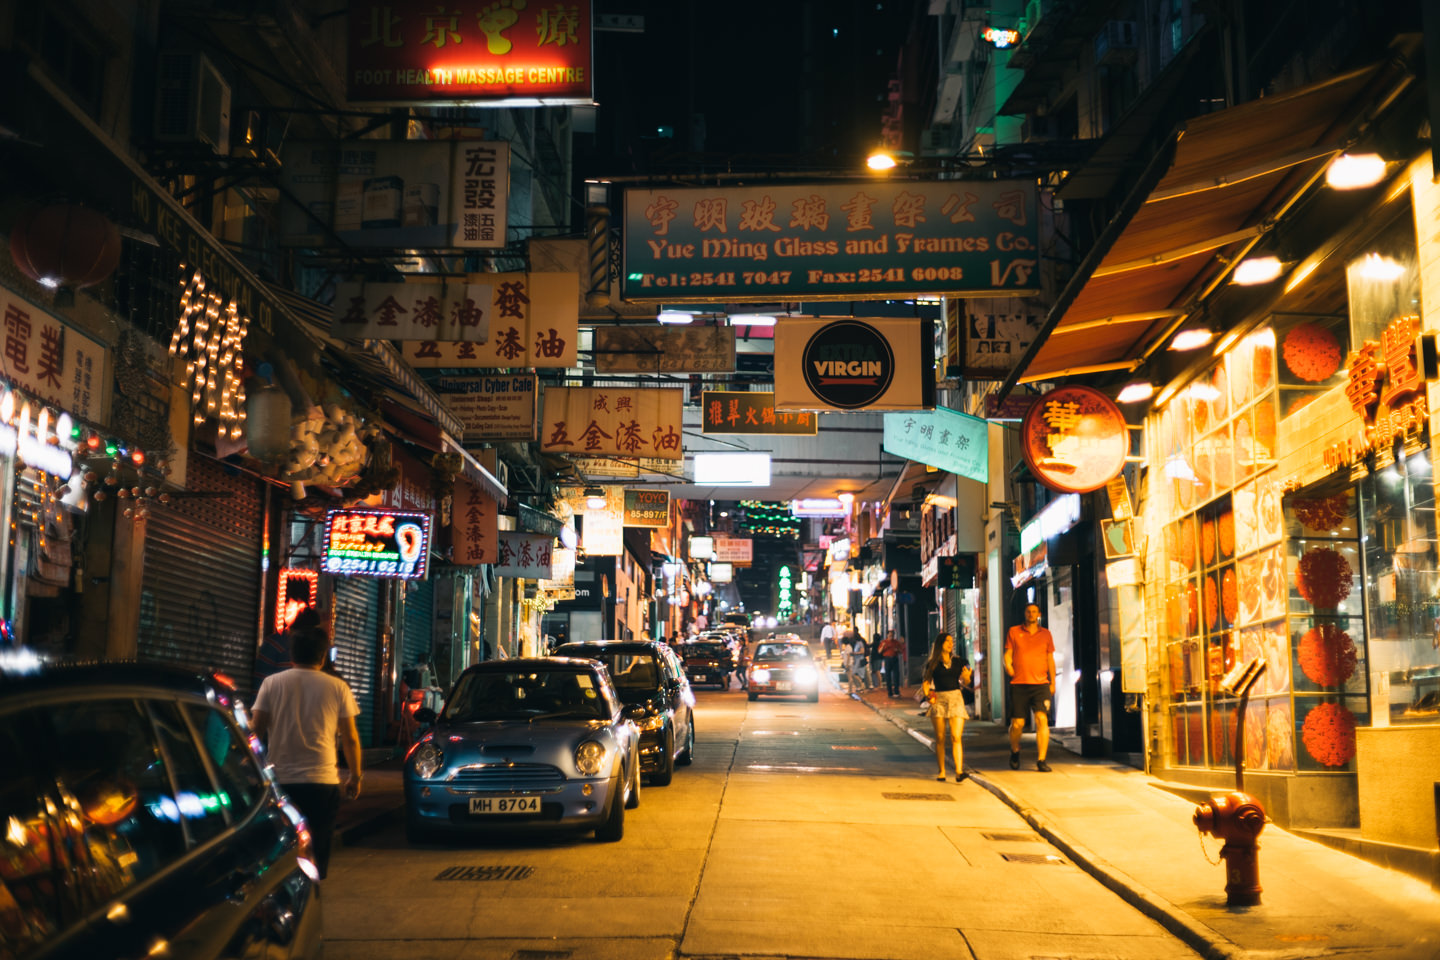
<point>1329,734</point>
<point>1323,578</point>
<point>65,245</point>
<point>1311,352</point>
<point>1327,655</point>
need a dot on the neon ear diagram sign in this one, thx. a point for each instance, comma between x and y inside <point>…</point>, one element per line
<point>377,543</point>
<point>297,592</point>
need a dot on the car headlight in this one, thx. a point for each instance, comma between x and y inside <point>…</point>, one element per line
<point>760,676</point>
<point>805,674</point>
<point>590,758</point>
<point>653,721</point>
<point>427,760</point>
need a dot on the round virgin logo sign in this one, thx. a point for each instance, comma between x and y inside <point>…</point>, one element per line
<point>848,364</point>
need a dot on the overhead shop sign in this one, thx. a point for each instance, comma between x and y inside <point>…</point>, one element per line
<point>837,241</point>
<point>474,526</point>
<point>415,311</point>
<point>739,411</point>
<point>1074,439</point>
<point>525,556</point>
<point>613,421</point>
<point>877,363</point>
<point>739,551</point>
<point>534,322</point>
<point>657,349</point>
<point>986,336</point>
<point>407,193</point>
<point>493,408</point>
<point>51,360</point>
<point>647,508</point>
<point>942,438</point>
<point>377,543</point>
<point>499,54</point>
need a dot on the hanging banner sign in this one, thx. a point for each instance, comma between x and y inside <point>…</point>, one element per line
<point>493,408</point>
<point>615,421</point>
<point>876,363</point>
<point>52,361</point>
<point>606,467</point>
<point>403,193</point>
<point>474,526</point>
<point>996,332</point>
<point>738,411</point>
<point>412,311</point>
<point>664,349</point>
<point>942,438</point>
<point>1074,439</point>
<point>501,54</point>
<point>837,241</point>
<point>737,550</point>
<point>525,556</point>
<point>377,543</point>
<point>534,322</point>
<point>647,508</point>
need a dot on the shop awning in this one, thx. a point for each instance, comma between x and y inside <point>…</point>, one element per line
<point>1219,184</point>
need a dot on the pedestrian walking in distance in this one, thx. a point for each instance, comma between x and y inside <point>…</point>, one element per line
<point>890,649</point>
<point>298,713</point>
<point>1030,665</point>
<point>855,647</point>
<point>946,674</point>
<point>827,637</point>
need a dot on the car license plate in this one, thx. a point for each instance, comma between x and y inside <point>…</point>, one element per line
<point>504,804</point>
<point>782,685</point>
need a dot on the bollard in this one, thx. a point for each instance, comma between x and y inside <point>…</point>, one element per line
<point>1237,818</point>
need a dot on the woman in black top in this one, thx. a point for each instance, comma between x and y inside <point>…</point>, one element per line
<point>947,673</point>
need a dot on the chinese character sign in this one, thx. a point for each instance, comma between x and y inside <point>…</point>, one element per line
<point>941,438</point>
<point>661,349</point>
<point>506,52</point>
<point>793,241</point>
<point>525,556</point>
<point>1074,439</point>
<point>737,550</point>
<point>51,361</point>
<point>612,421</point>
<point>408,193</point>
<point>377,543</point>
<point>474,526</point>
<point>739,411</point>
<point>534,322</point>
<point>412,311</point>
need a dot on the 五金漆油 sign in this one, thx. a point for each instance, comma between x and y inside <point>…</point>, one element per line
<point>377,543</point>
<point>1074,439</point>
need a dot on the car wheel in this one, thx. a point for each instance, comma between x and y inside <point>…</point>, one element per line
<point>633,800</point>
<point>687,756</point>
<point>666,773</point>
<point>614,826</point>
<point>752,696</point>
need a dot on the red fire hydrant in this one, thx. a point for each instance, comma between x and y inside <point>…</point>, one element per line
<point>1237,818</point>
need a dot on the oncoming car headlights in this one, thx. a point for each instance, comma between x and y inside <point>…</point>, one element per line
<point>760,676</point>
<point>590,758</point>
<point>805,674</point>
<point>427,760</point>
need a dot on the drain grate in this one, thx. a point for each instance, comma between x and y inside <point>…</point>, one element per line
<point>1036,858</point>
<point>485,873</point>
<point>1012,837</point>
<point>917,796</point>
<point>542,955</point>
<point>839,746</point>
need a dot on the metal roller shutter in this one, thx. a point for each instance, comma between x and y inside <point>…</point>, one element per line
<point>200,591</point>
<point>357,605</point>
<point>419,641</point>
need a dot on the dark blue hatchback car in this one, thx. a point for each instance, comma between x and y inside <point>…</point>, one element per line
<point>136,819</point>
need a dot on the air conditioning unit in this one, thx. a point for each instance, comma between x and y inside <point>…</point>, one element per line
<point>192,102</point>
<point>1115,44</point>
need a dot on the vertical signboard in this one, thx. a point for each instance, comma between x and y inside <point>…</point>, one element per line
<point>474,526</point>
<point>534,320</point>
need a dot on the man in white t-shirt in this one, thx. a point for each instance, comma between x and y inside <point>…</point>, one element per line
<point>298,713</point>
<point>827,637</point>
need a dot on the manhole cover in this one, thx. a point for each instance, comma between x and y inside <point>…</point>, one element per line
<point>917,796</point>
<point>838,746</point>
<point>1012,837</point>
<point>485,873</point>
<point>1038,858</point>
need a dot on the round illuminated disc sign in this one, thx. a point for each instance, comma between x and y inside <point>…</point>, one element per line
<point>1074,439</point>
<point>848,364</point>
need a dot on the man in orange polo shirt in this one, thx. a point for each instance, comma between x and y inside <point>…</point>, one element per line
<point>1030,664</point>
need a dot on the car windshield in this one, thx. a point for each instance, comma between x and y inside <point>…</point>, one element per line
<point>634,672</point>
<point>704,651</point>
<point>782,651</point>
<point>525,695</point>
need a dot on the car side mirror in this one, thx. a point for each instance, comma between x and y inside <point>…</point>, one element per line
<point>633,711</point>
<point>425,715</point>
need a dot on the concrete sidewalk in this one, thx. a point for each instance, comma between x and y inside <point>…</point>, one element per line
<point>1138,839</point>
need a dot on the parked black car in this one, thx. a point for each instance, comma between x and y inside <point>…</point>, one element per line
<point>707,661</point>
<point>136,818</point>
<point>649,674</point>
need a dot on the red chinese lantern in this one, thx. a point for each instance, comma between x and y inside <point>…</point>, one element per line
<point>65,245</point>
